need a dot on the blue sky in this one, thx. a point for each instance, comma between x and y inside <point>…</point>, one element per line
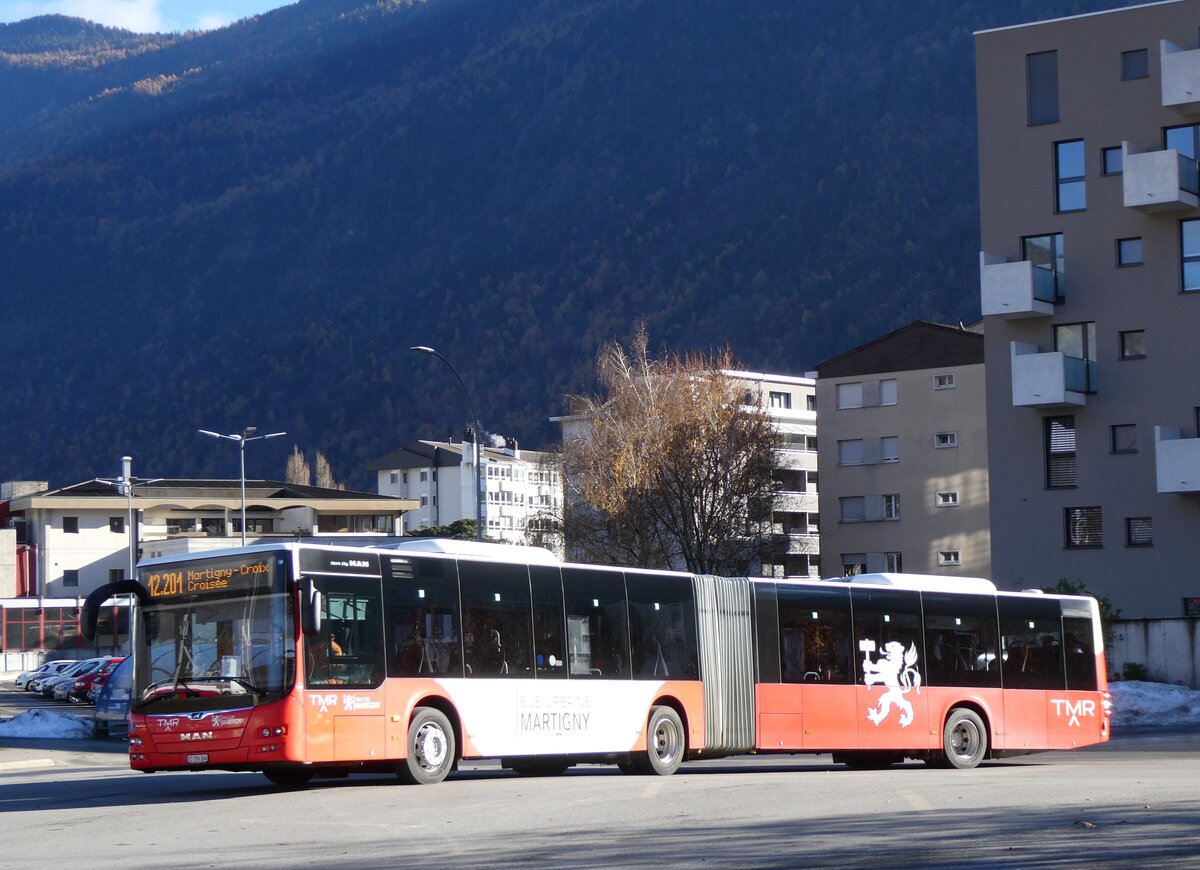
<point>143,16</point>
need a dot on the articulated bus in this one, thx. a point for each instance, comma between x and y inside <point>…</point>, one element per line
<point>300,660</point>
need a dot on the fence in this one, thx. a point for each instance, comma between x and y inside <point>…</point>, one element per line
<point>1166,647</point>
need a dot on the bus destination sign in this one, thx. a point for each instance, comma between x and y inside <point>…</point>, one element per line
<point>208,578</point>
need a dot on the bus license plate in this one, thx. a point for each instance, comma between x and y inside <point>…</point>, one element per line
<point>198,759</point>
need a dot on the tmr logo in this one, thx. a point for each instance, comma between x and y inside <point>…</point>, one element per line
<point>1074,709</point>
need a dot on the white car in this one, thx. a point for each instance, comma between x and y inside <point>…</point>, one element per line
<point>47,668</point>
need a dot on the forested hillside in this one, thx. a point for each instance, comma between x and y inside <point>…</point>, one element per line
<point>252,226</point>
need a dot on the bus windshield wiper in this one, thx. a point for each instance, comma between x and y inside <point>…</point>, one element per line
<point>245,684</point>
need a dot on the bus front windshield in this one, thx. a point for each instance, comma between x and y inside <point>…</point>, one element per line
<point>213,652</point>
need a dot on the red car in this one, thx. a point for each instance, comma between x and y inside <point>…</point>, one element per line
<point>85,687</point>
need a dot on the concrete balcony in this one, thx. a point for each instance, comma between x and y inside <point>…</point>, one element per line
<point>1176,461</point>
<point>1180,78</point>
<point>1017,290</point>
<point>1159,181</point>
<point>1048,380</point>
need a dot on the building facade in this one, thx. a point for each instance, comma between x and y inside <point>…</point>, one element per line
<point>791,404</point>
<point>1089,133</point>
<point>904,455</point>
<point>521,487</point>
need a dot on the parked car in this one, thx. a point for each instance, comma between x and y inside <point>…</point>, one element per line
<point>46,685</point>
<point>46,669</point>
<point>84,688</point>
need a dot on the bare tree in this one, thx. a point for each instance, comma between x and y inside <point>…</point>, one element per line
<point>297,470</point>
<point>325,474</point>
<point>672,468</point>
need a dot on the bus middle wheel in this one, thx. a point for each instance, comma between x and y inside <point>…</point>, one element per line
<point>666,742</point>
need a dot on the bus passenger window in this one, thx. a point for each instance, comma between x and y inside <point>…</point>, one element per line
<point>597,623</point>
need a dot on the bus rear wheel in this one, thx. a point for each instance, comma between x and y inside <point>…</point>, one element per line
<point>431,748</point>
<point>666,743</point>
<point>964,739</point>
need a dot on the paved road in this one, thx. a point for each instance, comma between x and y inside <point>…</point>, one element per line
<point>1133,802</point>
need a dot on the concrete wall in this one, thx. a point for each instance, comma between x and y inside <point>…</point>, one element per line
<point>1167,647</point>
<point>8,563</point>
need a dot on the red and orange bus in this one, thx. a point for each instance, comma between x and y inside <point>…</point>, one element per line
<point>300,660</point>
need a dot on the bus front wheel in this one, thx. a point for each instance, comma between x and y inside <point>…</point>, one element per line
<point>666,743</point>
<point>430,755</point>
<point>964,739</point>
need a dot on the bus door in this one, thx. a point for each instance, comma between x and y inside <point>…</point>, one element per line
<point>1076,717</point>
<point>814,706</point>
<point>890,669</point>
<point>1031,668</point>
<point>343,672</point>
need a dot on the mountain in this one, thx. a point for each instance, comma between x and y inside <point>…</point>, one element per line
<point>251,226</point>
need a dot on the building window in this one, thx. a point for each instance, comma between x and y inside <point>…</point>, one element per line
<point>1083,528</point>
<point>1133,344</point>
<point>394,477</point>
<point>1135,64</point>
<point>810,443</point>
<point>1124,438</point>
<point>781,400</point>
<point>1112,160</point>
<point>1070,192</point>
<point>850,452</point>
<point>944,381</point>
<point>812,481</point>
<point>425,500</point>
<point>891,506</point>
<point>854,508</point>
<point>894,563</point>
<point>1060,452</point>
<point>1185,139</point>
<point>949,557</point>
<point>115,574</point>
<point>70,577</point>
<point>849,395</point>
<point>1046,255</point>
<point>1077,342</point>
<point>887,391</point>
<point>1189,233</point>
<point>890,445</point>
<point>1041,87</point>
<point>1129,252</point>
<point>947,499</point>
<point>71,525</point>
<point>424,476</point>
<point>854,564</point>
<point>945,439</point>
<point>810,402</point>
<point>116,525</point>
<point>1139,532</point>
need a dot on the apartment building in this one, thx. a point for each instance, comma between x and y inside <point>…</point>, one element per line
<point>1089,133</point>
<point>903,455</point>
<point>520,487</point>
<point>791,404</point>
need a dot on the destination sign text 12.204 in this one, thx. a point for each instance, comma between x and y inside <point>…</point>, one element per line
<point>206,579</point>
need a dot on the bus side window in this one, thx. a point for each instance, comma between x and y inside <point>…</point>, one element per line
<point>961,638</point>
<point>1031,643</point>
<point>421,596</point>
<point>1081,657</point>
<point>549,624</point>
<point>814,635</point>
<point>496,619</point>
<point>662,627</point>
<point>597,623</point>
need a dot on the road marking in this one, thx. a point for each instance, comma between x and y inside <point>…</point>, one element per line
<point>650,792</point>
<point>915,800</point>
<point>27,764</point>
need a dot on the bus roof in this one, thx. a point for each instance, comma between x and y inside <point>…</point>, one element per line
<point>476,549</point>
<point>923,582</point>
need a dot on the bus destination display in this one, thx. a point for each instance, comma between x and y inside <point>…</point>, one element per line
<point>214,578</point>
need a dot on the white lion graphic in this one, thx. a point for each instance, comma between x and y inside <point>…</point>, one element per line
<point>897,671</point>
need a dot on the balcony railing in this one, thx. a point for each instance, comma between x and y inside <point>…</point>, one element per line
<point>1180,78</point>
<point>1049,379</point>
<point>1154,181</point>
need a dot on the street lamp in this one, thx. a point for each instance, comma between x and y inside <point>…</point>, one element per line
<point>124,485</point>
<point>247,435</point>
<point>478,450</point>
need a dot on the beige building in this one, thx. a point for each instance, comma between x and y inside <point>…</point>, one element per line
<point>903,455</point>
<point>1089,131</point>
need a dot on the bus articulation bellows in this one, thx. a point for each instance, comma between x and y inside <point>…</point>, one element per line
<point>299,660</point>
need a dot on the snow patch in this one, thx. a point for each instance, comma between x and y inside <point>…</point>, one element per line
<point>1139,705</point>
<point>47,725</point>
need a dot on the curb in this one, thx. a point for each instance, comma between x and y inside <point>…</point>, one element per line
<point>28,764</point>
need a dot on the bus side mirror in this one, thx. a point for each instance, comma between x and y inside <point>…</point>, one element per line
<point>94,601</point>
<point>310,612</point>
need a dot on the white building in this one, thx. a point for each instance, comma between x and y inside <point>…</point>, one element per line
<point>521,488</point>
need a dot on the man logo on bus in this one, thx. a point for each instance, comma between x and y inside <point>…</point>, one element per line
<point>897,671</point>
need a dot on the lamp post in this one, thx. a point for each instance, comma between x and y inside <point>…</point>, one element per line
<point>477,450</point>
<point>246,436</point>
<point>124,485</point>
